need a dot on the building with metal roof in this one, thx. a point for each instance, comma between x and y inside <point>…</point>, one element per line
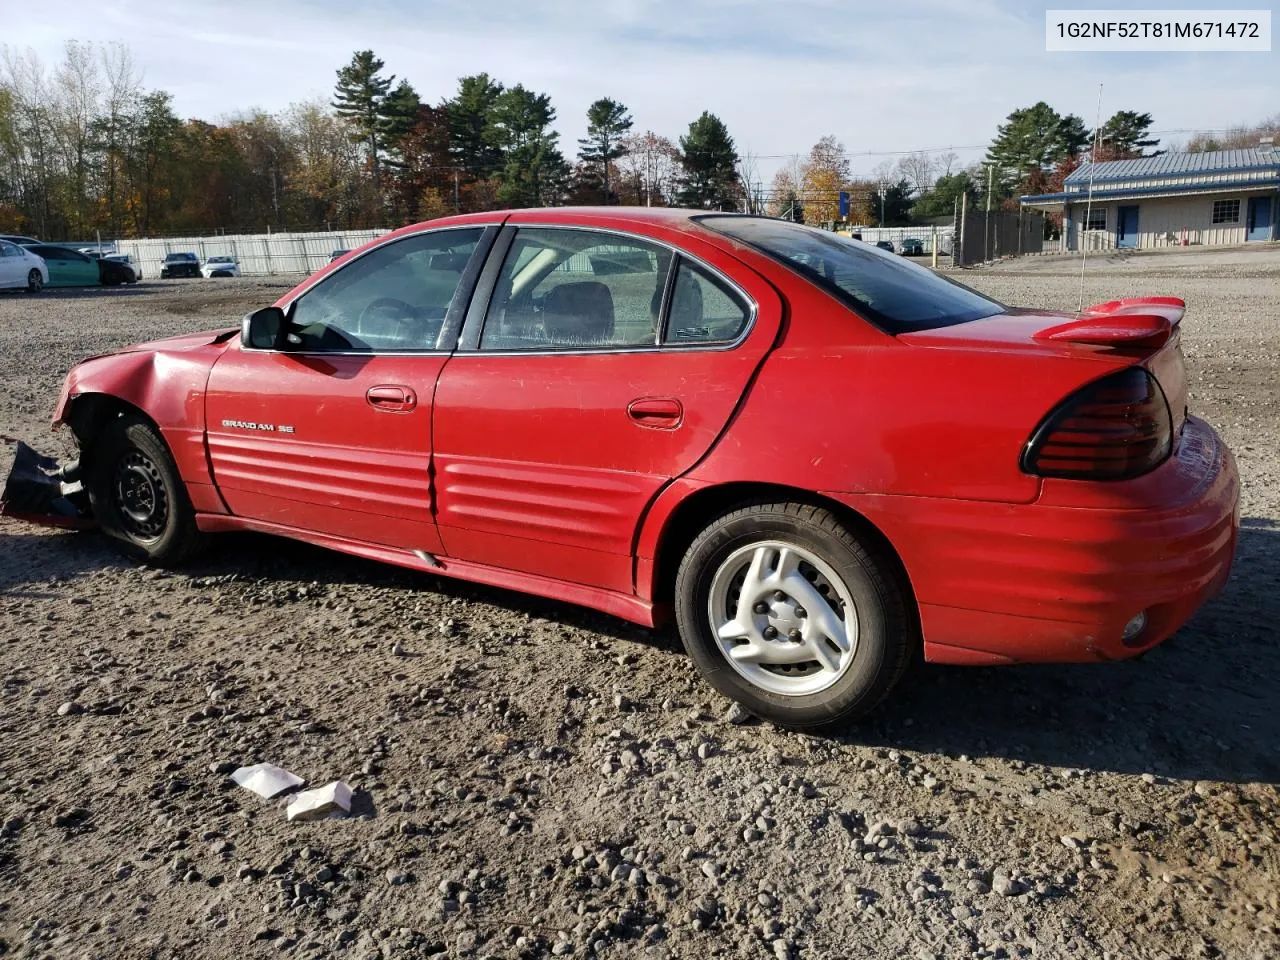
<point>1215,198</point>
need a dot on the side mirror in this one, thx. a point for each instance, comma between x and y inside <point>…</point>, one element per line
<point>264,329</point>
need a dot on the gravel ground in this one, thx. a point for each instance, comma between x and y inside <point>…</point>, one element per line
<point>534,779</point>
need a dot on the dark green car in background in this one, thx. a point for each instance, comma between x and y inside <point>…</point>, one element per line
<point>71,268</point>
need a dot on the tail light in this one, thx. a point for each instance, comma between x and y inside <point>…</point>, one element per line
<point>1114,429</point>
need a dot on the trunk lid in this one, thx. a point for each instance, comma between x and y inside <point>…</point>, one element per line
<point>1139,331</point>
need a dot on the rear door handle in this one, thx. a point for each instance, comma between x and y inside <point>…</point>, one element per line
<point>662,413</point>
<point>391,398</point>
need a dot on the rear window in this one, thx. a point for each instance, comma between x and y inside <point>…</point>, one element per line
<point>895,294</point>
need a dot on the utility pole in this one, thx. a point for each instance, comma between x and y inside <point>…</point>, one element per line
<point>986,226</point>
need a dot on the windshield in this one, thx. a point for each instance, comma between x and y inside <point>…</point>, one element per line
<point>895,294</point>
<point>181,256</point>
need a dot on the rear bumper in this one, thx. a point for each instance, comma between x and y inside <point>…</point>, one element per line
<point>1057,580</point>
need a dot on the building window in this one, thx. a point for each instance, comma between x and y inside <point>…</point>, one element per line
<point>1097,219</point>
<point>1226,211</point>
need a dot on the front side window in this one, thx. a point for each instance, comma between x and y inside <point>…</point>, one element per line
<point>703,308</point>
<point>8,249</point>
<point>889,291</point>
<point>576,289</point>
<point>394,298</point>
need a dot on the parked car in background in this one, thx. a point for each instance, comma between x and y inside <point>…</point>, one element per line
<point>885,245</point>
<point>18,239</point>
<point>338,255</point>
<point>600,406</point>
<point>71,268</point>
<point>220,267</point>
<point>127,260</point>
<point>114,272</point>
<point>180,265</point>
<point>21,269</point>
<point>68,267</point>
<point>912,247</point>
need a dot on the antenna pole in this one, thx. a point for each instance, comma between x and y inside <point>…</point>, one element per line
<point>1088,206</point>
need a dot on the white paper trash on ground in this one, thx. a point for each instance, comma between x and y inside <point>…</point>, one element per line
<point>322,802</point>
<point>266,779</point>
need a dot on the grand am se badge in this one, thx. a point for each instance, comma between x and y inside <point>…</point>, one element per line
<point>260,427</point>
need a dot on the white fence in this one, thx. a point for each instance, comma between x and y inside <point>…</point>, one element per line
<point>897,234</point>
<point>259,254</point>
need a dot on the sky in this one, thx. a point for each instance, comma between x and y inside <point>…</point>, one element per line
<point>883,76</point>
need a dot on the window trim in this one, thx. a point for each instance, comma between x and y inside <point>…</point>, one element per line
<point>447,341</point>
<point>1213,212</point>
<point>668,296</point>
<point>473,328</point>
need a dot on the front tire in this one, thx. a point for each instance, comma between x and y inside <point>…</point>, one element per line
<point>786,611</point>
<point>137,495</point>
<point>35,282</point>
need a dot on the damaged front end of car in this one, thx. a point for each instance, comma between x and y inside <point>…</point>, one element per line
<point>42,491</point>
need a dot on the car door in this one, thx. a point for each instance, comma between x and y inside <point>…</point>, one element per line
<point>332,434</point>
<point>79,270</point>
<point>11,265</point>
<point>595,367</point>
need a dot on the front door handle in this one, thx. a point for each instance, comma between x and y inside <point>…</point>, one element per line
<point>391,398</point>
<point>662,413</point>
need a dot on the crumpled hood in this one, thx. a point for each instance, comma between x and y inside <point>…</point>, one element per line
<point>185,341</point>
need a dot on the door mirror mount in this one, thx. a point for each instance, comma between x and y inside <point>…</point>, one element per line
<point>265,329</point>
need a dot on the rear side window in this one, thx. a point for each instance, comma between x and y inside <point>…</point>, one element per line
<point>895,294</point>
<point>703,309</point>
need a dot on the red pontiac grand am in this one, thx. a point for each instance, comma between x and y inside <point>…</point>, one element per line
<point>820,457</point>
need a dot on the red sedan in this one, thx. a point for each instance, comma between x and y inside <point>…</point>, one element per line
<point>823,459</point>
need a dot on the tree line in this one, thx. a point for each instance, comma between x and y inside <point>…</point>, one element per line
<point>85,148</point>
<point>1032,152</point>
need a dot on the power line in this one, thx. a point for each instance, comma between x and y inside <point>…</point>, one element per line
<point>970,146</point>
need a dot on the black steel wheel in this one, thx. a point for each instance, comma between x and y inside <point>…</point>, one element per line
<point>137,494</point>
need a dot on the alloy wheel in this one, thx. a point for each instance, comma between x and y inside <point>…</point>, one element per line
<point>783,618</point>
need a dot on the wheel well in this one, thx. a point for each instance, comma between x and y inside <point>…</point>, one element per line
<point>702,508</point>
<point>90,412</point>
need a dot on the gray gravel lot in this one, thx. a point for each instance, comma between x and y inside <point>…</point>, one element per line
<point>536,779</point>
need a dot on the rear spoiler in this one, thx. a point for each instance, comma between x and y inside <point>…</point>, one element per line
<point>1132,322</point>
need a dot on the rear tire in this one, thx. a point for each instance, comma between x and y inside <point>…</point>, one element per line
<point>827,634</point>
<point>137,495</point>
<point>35,282</point>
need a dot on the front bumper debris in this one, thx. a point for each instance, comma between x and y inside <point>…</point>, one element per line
<point>42,491</point>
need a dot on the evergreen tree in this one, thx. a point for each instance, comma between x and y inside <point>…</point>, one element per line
<point>358,99</point>
<point>534,172</point>
<point>892,208</point>
<point>709,162</point>
<point>398,115</point>
<point>1036,138</point>
<point>1124,136</point>
<point>470,116</point>
<point>608,122</point>
<point>941,200</point>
